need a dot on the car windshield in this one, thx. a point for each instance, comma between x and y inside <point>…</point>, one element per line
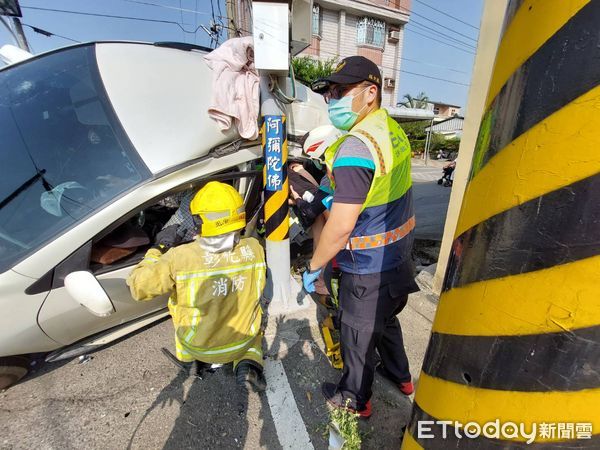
<point>62,153</point>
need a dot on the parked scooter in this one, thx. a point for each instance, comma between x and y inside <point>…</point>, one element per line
<point>448,176</point>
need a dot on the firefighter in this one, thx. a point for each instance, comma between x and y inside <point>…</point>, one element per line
<point>215,283</point>
<point>369,232</point>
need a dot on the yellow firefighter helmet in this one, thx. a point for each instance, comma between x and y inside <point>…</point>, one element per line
<point>220,208</point>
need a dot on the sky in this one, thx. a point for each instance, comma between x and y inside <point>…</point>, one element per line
<point>93,28</point>
<point>421,55</point>
<point>456,65</point>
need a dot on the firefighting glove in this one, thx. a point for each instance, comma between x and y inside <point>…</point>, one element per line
<point>308,279</point>
<point>169,237</point>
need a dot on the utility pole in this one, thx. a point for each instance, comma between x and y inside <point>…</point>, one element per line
<point>428,141</point>
<point>513,358</point>
<point>21,39</point>
<point>12,9</point>
<point>271,51</point>
<point>232,19</point>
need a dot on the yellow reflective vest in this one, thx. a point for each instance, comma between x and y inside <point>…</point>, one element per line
<point>382,238</point>
<point>215,297</point>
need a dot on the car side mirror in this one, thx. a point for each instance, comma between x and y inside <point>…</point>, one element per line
<point>85,289</point>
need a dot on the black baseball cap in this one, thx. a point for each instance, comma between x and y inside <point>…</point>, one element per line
<point>351,70</point>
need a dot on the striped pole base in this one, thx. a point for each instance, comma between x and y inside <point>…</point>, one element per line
<point>516,338</point>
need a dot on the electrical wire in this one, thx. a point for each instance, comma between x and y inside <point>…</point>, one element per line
<point>141,19</point>
<point>220,12</point>
<point>196,20</point>
<point>436,23</point>
<point>12,33</point>
<point>401,70</point>
<point>49,33</point>
<point>276,89</point>
<point>413,31</point>
<point>441,42</point>
<point>220,16</point>
<point>212,24</point>
<point>212,9</point>
<point>16,39</point>
<point>433,78</point>
<point>447,36</point>
<point>182,22</point>
<point>140,2</point>
<point>406,71</point>
<point>200,26</point>
<point>433,65</point>
<point>278,93</point>
<point>293,78</point>
<point>447,14</point>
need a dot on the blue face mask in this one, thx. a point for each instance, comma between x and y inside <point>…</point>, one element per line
<point>340,112</point>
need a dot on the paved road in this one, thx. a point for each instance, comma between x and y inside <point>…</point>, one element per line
<point>431,202</point>
<point>130,396</point>
<point>422,174</point>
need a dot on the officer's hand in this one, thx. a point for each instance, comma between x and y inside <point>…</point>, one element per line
<point>168,237</point>
<point>308,279</point>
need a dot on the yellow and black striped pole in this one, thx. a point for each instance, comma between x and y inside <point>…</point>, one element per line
<point>276,188</point>
<point>276,194</point>
<point>515,344</point>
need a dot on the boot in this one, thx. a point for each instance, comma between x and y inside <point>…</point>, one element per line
<point>248,373</point>
<point>406,387</point>
<point>193,368</point>
<point>336,400</point>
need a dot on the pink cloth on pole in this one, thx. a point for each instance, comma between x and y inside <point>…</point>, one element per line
<point>236,95</point>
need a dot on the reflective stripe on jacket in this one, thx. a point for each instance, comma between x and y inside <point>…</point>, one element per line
<point>388,206</point>
<point>215,297</point>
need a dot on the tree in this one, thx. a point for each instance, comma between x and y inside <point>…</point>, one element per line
<point>418,102</point>
<point>448,146</point>
<point>415,130</point>
<point>416,134</point>
<point>307,69</point>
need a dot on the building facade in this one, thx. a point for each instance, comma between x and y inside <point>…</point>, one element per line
<point>449,128</point>
<point>443,111</point>
<point>370,28</point>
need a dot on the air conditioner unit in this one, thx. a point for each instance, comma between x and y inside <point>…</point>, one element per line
<point>389,83</point>
<point>394,36</point>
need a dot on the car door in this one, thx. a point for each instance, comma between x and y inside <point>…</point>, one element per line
<point>65,321</point>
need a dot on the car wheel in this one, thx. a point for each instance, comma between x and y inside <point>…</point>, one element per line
<point>12,369</point>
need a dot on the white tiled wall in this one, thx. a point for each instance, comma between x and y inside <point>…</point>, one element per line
<point>348,41</point>
<point>391,64</point>
<point>329,34</point>
<point>347,47</point>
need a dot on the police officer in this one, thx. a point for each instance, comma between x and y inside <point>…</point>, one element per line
<point>215,284</point>
<point>369,232</point>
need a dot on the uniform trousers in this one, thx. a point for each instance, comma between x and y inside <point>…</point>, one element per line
<point>370,331</point>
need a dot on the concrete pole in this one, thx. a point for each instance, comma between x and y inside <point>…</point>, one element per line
<point>21,39</point>
<point>489,37</point>
<point>428,142</point>
<point>232,21</point>
<point>276,202</point>
<point>425,147</point>
<point>513,357</point>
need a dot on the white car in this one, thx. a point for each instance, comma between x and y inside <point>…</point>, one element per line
<point>97,142</point>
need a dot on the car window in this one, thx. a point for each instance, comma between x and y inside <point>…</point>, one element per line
<point>62,150</point>
<point>125,243</point>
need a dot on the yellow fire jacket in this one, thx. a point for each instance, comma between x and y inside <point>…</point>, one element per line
<point>215,298</point>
